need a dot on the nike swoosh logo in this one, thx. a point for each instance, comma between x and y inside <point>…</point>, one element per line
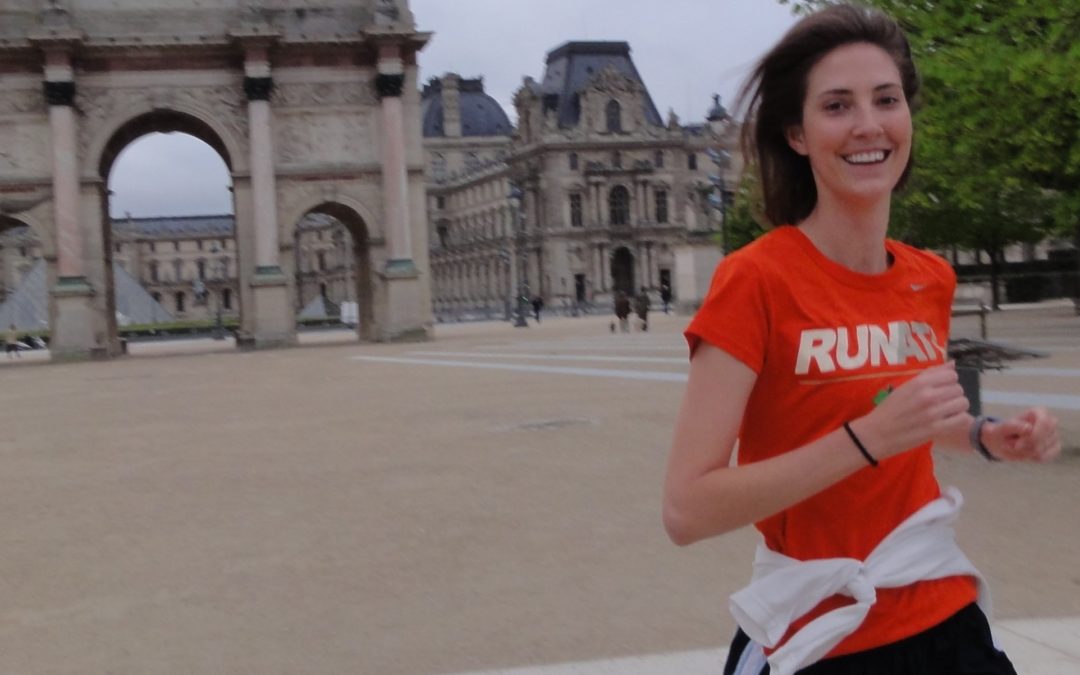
<point>917,287</point>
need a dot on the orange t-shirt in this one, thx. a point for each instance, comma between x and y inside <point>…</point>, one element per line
<point>824,341</point>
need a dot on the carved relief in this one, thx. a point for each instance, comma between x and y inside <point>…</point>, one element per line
<point>611,81</point>
<point>22,101</point>
<point>323,95</point>
<point>101,106</point>
<point>313,138</point>
<point>23,149</point>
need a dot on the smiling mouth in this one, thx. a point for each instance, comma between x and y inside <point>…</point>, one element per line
<point>869,157</point>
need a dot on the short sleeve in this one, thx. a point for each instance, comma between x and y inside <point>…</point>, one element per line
<point>734,314</point>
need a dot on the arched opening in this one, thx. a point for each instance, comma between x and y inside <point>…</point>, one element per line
<point>619,205</point>
<point>332,270</point>
<point>169,229</point>
<point>622,271</point>
<point>24,292</point>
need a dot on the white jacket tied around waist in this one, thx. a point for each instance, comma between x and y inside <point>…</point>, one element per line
<point>782,589</point>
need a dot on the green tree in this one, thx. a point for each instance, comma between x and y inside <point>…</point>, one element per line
<point>997,142</point>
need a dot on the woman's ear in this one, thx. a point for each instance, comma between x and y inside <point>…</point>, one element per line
<point>795,139</point>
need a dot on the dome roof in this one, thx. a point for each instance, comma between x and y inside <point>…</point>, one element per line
<point>481,115</point>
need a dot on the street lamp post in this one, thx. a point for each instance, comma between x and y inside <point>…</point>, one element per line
<point>517,207</point>
<point>718,197</point>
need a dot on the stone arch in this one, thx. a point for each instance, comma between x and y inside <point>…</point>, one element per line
<point>121,130</point>
<point>622,271</point>
<point>358,227</point>
<point>311,204</point>
<point>118,134</point>
<point>44,235</point>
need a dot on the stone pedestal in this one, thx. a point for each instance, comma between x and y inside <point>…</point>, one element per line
<point>695,262</point>
<point>73,331</point>
<point>275,325</point>
<point>404,319</point>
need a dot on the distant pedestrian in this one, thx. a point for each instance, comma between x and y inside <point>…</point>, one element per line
<point>537,305</point>
<point>641,308</point>
<point>665,296</point>
<point>622,311</point>
<point>11,342</point>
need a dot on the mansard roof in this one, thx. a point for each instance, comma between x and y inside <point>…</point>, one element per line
<point>571,66</point>
<point>481,115</point>
<point>175,227</point>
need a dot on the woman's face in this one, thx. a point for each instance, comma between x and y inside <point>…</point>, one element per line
<point>856,126</point>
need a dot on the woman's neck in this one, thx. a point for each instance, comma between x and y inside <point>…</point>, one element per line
<point>854,238</point>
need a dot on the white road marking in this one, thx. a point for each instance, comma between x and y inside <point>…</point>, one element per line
<point>1040,372</point>
<point>557,357</point>
<point>524,368</point>
<point>1058,401</point>
<point>1018,398</point>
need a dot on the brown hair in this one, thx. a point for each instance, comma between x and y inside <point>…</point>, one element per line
<point>776,91</point>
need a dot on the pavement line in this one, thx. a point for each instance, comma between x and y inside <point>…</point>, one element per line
<point>524,368</point>
<point>1058,401</point>
<point>1041,372</point>
<point>593,347</point>
<point>1018,398</point>
<point>556,357</point>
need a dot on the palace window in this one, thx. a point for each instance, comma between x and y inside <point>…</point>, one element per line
<point>658,159</point>
<point>573,161</point>
<point>616,159</point>
<point>619,205</point>
<point>226,298</point>
<point>661,206</point>
<point>575,211</point>
<point>154,271</point>
<point>614,117</point>
<point>691,161</point>
<point>180,302</point>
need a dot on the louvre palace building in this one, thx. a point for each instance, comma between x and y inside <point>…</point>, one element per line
<point>591,194</point>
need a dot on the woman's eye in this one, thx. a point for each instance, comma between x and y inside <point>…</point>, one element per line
<point>834,106</point>
<point>889,100</point>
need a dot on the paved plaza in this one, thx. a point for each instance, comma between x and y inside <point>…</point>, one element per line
<point>487,502</point>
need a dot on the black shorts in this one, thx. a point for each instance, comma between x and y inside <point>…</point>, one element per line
<point>960,645</point>
<point>10,347</point>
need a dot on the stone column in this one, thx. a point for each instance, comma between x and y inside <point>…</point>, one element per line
<point>405,311</point>
<point>389,83</point>
<point>649,263</point>
<point>274,320</point>
<point>77,319</point>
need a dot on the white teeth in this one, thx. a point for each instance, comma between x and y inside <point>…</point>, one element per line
<point>866,157</point>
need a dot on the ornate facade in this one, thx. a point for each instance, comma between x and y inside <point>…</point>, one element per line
<point>313,107</point>
<point>592,194</point>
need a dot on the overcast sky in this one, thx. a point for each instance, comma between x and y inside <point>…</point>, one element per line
<point>685,50</point>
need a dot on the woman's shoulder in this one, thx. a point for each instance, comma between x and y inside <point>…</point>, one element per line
<point>774,246</point>
<point>921,260</point>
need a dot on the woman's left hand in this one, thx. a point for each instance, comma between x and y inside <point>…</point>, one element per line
<point>1029,437</point>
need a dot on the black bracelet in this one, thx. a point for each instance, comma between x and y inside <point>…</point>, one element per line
<point>975,436</point>
<point>859,445</point>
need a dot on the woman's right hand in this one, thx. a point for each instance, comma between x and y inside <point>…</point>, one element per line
<point>928,406</point>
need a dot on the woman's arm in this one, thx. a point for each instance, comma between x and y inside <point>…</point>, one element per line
<point>1031,436</point>
<point>705,497</point>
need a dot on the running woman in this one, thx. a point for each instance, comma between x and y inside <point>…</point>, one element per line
<point>821,350</point>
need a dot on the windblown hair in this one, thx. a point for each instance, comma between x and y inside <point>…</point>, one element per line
<point>776,91</point>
